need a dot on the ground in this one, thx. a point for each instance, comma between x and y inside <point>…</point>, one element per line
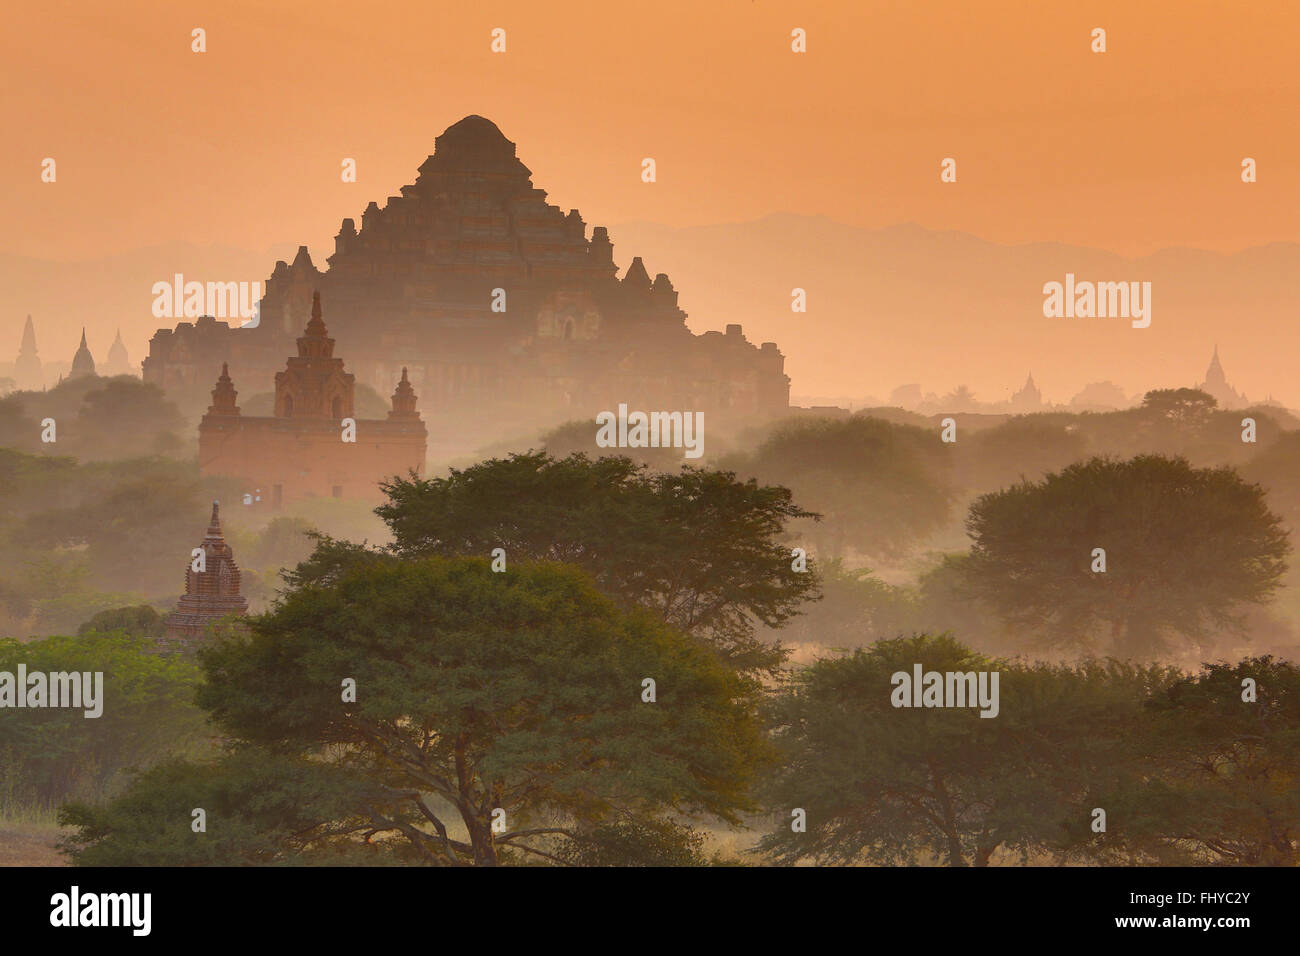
<point>29,844</point>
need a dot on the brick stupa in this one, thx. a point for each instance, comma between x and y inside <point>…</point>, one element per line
<point>210,594</point>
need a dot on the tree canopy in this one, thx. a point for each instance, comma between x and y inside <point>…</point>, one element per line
<point>893,786</point>
<point>881,487</point>
<point>516,699</point>
<point>700,548</point>
<point>1184,548</point>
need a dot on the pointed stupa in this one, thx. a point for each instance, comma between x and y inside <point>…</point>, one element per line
<point>315,341</point>
<point>403,400</point>
<point>27,367</point>
<point>1216,384</point>
<point>83,364</point>
<point>211,593</point>
<point>224,394</point>
<point>118,363</point>
<point>1214,375</point>
<point>1029,396</point>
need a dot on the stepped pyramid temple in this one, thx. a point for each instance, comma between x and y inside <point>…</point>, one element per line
<point>504,309</point>
<point>27,367</point>
<point>209,594</point>
<point>83,364</point>
<point>306,448</point>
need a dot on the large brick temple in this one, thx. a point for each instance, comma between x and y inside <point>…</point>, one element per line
<point>307,448</point>
<point>505,311</point>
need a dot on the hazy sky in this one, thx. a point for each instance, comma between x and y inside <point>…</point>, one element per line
<point>1130,150</point>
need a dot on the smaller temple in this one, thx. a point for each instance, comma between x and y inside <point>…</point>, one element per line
<point>83,365</point>
<point>1029,398</point>
<point>118,362</point>
<point>312,445</point>
<point>210,594</point>
<point>1216,384</point>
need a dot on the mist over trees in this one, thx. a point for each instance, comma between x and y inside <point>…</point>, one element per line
<point>1126,555</point>
<point>500,620</point>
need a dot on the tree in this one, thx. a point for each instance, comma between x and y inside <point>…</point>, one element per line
<point>126,417</point>
<point>1184,548</point>
<point>579,437</point>
<point>699,548</point>
<point>140,620</point>
<point>1182,406</point>
<point>1027,446</point>
<point>1212,777</point>
<point>631,841</point>
<point>856,608</point>
<point>881,487</point>
<point>479,694</point>
<point>892,785</point>
<point>55,753</point>
<point>259,808</point>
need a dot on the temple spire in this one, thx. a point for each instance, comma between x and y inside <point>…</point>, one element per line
<point>28,346</point>
<point>224,394</point>
<point>211,593</point>
<point>27,366</point>
<point>83,364</point>
<point>214,523</point>
<point>403,400</point>
<point>315,341</point>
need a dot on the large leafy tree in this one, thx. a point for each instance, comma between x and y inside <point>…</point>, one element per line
<point>478,692</point>
<point>700,548</point>
<point>1185,548</point>
<point>1214,773</point>
<point>894,786</point>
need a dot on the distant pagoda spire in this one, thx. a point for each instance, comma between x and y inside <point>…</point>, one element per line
<point>83,364</point>
<point>403,400</point>
<point>118,362</point>
<point>1215,375</point>
<point>224,394</point>
<point>315,341</point>
<point>28,346</point>
<point>27,367</point>
<point>314,383</point>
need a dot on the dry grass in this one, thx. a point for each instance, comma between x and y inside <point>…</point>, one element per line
<point>29,843</point>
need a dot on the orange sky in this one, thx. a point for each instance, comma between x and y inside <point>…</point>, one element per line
<point>1129,150</point>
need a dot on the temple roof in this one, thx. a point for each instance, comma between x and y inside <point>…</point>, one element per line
<point>475,130</point>
<point>82,363</point>
<point>28,345</point>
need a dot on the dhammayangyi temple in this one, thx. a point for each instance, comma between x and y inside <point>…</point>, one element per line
<point>506,314</point>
